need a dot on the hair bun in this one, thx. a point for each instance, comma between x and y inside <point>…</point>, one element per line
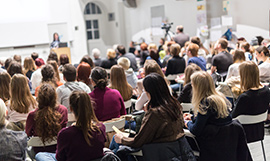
<point>101,83</point>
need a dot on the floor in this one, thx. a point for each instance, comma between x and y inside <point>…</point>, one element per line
<point>256,148</point>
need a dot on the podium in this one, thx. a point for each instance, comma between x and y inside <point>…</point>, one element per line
<point>63,50</point>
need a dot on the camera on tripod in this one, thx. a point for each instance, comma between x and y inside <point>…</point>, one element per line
<point>166,26</point>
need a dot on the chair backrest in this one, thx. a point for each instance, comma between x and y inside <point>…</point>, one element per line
<point>71,117</point>
<point>187,107</point>
<point>252,119</point>
<point>37,142</point>
<point>119,123</point>
<point>128,103</point>
<point>172,77</point>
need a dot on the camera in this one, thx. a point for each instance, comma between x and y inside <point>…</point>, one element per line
<point>166,26</point>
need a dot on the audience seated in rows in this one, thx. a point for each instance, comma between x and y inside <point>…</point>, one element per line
<point>212,121</point>
<point>108,103</point>
<point>163,120</point>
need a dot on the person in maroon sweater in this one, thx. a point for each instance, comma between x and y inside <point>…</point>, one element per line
<point>108,102</point>
<point>56,118</point>
<point>82,141</point>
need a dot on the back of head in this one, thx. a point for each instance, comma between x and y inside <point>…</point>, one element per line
<point>54,64</point>
<point>47,118</point>
<point>4,86</point>
<point>249,75</point>
<point>193,48</point>
<point>39,62</point>
<point>83,73</point>
<point>34,56</point>
<point>29,64</point>
<point>17,58</point>
<point>156,86</point>
<point>260,39</point>
<point>151,66</point>
<point>239,55</point>
<point>96,53</point>
<point>152,46</point>
<point>124,62</point>
<point>47,73</point>
<point>223,43</point>
<point>190,69</point>
<point>196,40</point>
<point>64,59</point>
<point>99,76</point>
<point>245,46</point>
<point>7,63</point>
<point>81,106</point>
<point>88,60</point>
<point>3,110</point>
<point>262,49</point>
<point>180,28</point>
<point>21,98</point>
<point>53,56</point>
<point>153,54</point>
<point>205,95</point>
<point>69,72</point>
<point>118,78</point>
<point>121,49</point>
<point>175,49</point>
<point>14,68</point>
<point>111,54</point>
<point>143,46</point>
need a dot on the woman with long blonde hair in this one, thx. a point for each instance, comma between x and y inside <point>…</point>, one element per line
<point>119,82</point>
<point>21,100</point>
<point>210,106</point>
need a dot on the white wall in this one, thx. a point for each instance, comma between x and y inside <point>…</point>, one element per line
<point>178,12</point>
<point>32,22</point>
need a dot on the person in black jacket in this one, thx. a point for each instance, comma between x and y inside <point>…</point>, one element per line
<point>186,93</point>
<point>176,64</point>
<point>110,61</point>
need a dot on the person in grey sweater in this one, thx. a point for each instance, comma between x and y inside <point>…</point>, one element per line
<point>64,91</point>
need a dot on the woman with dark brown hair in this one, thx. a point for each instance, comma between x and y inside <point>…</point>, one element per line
<point>62,61</point>
<point>54,64</point>
<point>119,82</point>
<point>4,86</point>
<point>48,76</point>
<point>85,139</point>
<point>238,58</point>
<point>48,119</point>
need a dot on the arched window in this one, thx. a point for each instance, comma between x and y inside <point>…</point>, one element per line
<point>92,12</point>
<point>92,8</point>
